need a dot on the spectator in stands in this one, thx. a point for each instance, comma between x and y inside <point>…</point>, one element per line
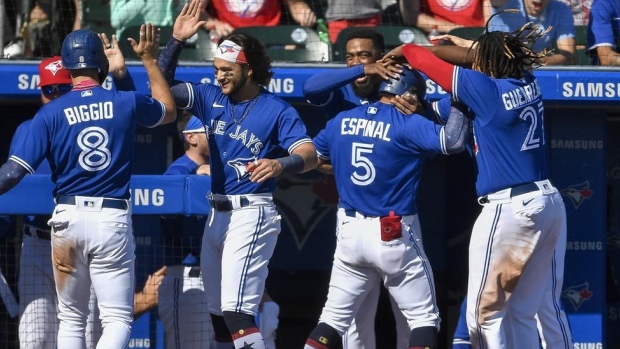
<point>129,13</point>
<point>580,9</point>
<point>551,15</point>
<point>223,16</point>
<point>604,32</point>
<point>49,22</point>
<point>427,14</point>
<point>341,14</point>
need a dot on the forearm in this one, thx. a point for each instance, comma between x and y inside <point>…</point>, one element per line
<point>425,61</point>
<point>610,59</point>
<point>142,304</point>
<point>307,153</point>
<point>169,57</point>
<point>322,84</point>
<point>11,173</point>
<point>324,166</point>
<point>559,58</point>
<point>463,56</point>
<point>455,134</point>
<point>160,90</point>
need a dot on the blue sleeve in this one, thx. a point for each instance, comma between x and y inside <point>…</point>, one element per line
<point>321,143</point>
<point>291,130</point>
<point>31,150</point>
<point>125,84</point>
<point>169,57</point>
<point>601,30</point>
<point>441,109</point>
<point>421,135</point>
<point>318,89</point>
<point>461,338</point>
<point>199,99</point>
<point>149,111</point>
<point>564,26</point>
<point>478,91</point>
<point>19,135</point>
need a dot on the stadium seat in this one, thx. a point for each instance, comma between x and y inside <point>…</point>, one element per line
<point>394,35</point>
<point>96,16</point>
<point>581,40</point>
<point>201,49</point>
<point>470,33</point>
<point>290,43</point>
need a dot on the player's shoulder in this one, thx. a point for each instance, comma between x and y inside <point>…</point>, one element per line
<point>183,165</point>
<point>274,100</point>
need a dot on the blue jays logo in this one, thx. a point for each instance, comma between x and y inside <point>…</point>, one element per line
<point>54,67</point>
<point>305,202</point>
<point>240,167</point>
<point>226,48</point>
<point>578,193</point>
<point>578,294</point>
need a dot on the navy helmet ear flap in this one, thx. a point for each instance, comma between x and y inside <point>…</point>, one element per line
<point>83,49</point>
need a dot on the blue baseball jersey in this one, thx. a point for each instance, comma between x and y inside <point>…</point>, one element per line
<point>242,132</point>
<point>88,138</point>
<point>341,99</point>
<point>556,15</point>
<point>509,136</point>
<point>183,234</point>
<point>377,153</point>
<point>604,25</point>
<point>43,169</point>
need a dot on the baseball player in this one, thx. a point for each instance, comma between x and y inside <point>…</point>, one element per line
<point>378,154</point>
<point>38,318</point>
<point>182,300</point>
<point>343,89</point>
<point>87,136</point>
<point>249,128</point>
<point>523,217</point>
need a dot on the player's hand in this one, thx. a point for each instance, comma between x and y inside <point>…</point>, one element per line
<point>219,28</point>
<point>263,169</point>
<point>407,103</point>
<point>188,22</point>
<point>114,55</point>
<point>302,14</point>
<point>455,40</point>
<point>382,69</point>
<point>394,56</point>
<point>151,287</point>
<point>148,47</point>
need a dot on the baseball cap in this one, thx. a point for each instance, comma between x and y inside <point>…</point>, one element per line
<point>52,72</point>
<point>194,125</point>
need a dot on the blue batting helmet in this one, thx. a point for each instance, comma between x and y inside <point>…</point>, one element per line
<point>408,79</point>
<point>83,49</point>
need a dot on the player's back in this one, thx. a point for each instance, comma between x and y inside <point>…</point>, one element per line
<point>87,136</point>
<point>508,129</point>
<point>378,153</point>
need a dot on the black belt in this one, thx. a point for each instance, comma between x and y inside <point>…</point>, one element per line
<point>107,203</point>
<point>226,205</point>
<point>353,213</point>
<point>37,233</point>
<point>516,191</point>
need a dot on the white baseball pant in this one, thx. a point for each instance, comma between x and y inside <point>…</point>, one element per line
<point>93,244</point>
<point>510,250</point>
<point>38,317</point>
<point>361,332</point>
<point>236,248</point>
<point>362,260</point>
<point>183,309</point>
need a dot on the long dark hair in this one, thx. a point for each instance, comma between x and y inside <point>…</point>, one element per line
<point>507,54</point>
<point>256,55</point>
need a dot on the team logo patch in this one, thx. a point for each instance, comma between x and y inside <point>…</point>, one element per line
<point>304,203</point>
<point>54,67</point>
<point>239,166</point>
<point>578,193</point>
<point>86,93</point>
<point>578,294</point>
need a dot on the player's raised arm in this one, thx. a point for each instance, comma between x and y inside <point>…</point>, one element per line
<point>147,50</point>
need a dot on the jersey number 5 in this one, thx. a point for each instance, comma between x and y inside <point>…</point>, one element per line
<point>362,162</point>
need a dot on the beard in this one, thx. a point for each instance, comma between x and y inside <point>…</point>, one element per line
<point>236,86</point>
<point>368,89</point>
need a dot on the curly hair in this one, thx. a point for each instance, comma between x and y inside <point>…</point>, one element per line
<point>256,55</point>
<point>507,54</point>
<point>378,42</point>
